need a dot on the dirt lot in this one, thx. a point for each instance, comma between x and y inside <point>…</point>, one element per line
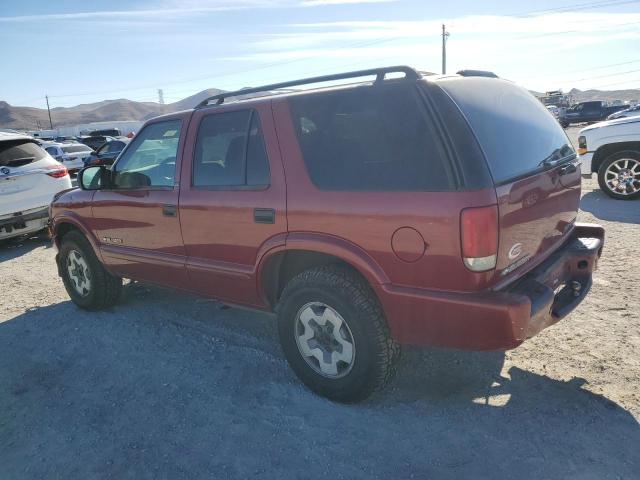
<point>169,386</point>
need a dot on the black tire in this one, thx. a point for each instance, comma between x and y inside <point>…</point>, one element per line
<point>375,352</point>
<point>104,289</point>
<point>564,124</point>
<point>627,154</point>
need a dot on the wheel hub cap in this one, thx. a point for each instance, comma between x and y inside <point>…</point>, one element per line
<point>324,340</point>
<point>79,273</point>
<point>623,176</point>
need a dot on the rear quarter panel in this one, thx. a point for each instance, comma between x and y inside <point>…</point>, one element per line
<point>369,220</point>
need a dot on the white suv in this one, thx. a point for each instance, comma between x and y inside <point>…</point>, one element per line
<point>29,179</point>
<point>612,150</point>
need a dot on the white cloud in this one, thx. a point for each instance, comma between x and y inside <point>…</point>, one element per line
<point>184,8</point>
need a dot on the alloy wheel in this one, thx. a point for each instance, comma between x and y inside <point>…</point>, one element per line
<point>324,340</point>
<point>623,176</point>
<point>79,273</point>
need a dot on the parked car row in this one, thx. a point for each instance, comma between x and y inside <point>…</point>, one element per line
<point>34,170</point>
<point>30,178</point>
<point>585,112</point>
<point>74,156</point>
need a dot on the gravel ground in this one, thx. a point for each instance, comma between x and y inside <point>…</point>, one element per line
<point>166,385</point>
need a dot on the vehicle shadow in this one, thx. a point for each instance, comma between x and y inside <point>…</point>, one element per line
<point>169,387</point>
<point>605,208</point>
<point>18,246</point>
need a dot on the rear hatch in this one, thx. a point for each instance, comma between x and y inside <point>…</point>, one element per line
<point>27,176</point>
<point>533,165</point>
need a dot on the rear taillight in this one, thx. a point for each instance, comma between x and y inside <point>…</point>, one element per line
<point>479,237</point>
<point>57,171</point>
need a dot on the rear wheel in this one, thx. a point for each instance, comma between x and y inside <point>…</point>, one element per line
<point>619,175</point>
<point>87,282</point>
<point>334,334</point>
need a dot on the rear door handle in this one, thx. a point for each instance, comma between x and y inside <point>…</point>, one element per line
<point>169,210</point>
<point>567,169</point>
<point>264,215</point>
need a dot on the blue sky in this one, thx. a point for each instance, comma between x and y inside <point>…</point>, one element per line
<point>82,52</point>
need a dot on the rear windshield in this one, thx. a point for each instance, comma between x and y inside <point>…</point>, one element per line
<point>516,132</point>
<point>369,138</point>
<point>76,148</point>
<point>19,153</point>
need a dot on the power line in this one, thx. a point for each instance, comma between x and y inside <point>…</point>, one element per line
<point>224,74</point>
<point>599,76</point>
<point>602,66</point>
<point>618,83</point>
<point>539,35</point>
<point>574,7</point>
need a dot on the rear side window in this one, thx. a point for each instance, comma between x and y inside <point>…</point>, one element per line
<point>230,151</point>
<point>19,153</point>
<point>516,132</point>
<point>373,138</point>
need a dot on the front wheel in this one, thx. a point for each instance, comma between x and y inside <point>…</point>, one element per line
<point>619,175</point>
<point>87,282</point>
<point>334,334</point>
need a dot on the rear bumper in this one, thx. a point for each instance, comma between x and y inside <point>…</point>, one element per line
<point>498,320</point>
<point>23,222</point>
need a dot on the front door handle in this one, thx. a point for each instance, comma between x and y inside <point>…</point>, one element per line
<point>169,210</point>
<point>264,215</point>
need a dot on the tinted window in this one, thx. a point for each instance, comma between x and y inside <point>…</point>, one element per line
<point>19,153</point>
<point>151,158</point>
<point>76,149</point>
<point>53,151</point>
<point>369,138</point>
<point>230,151</point>
<point>515,131</point>
<point>113,147</point>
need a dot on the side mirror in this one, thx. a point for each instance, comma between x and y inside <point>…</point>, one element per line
<point>94,178</point>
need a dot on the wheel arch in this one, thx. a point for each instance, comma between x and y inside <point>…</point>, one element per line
<point>67,223</point>
<point>306,251</point>
<point>603,152</point>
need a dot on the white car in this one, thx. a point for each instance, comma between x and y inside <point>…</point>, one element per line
<point>71,155</point>
<point>611,149</point>
<point>554,110</point>
<point>29,179</point>
<point>629,112</point>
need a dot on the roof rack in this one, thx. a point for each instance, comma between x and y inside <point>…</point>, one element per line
<point>380,73</point>
<point>477,73</point>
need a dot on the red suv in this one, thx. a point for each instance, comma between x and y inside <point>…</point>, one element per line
<point>404,209</point>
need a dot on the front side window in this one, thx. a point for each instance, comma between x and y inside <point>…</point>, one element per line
<point>230,151</point>
<point>374,138</point>
<point>150,160</point>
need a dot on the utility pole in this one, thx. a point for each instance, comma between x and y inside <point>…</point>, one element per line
<point>49,111</point>
<point>445,35</point>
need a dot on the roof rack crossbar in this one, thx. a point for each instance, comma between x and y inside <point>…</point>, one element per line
<point>380,73</point>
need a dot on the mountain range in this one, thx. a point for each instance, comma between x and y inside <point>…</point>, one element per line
<point>29,118</point>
